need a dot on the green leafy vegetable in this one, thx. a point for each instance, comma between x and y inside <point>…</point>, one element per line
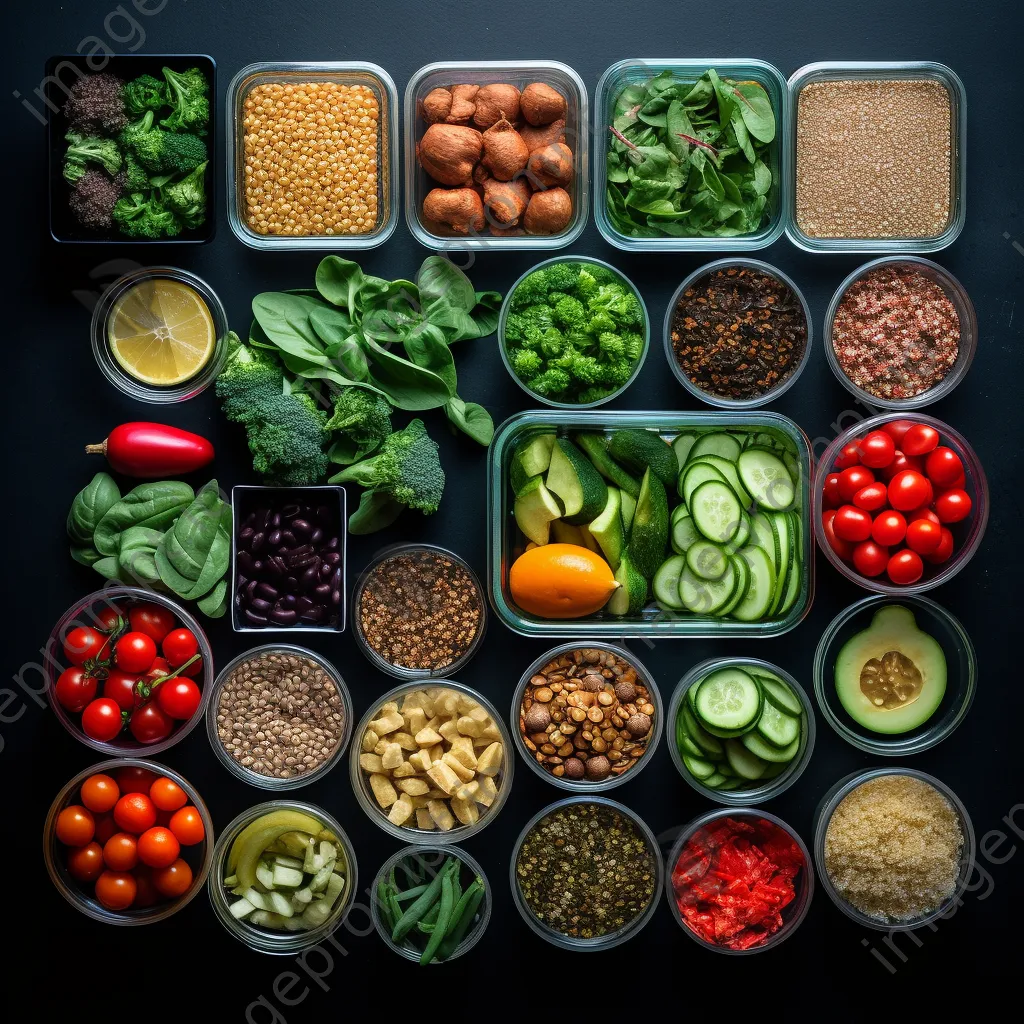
<point>145,93</point>
<point>83,150</point>
<point>155,504</point>
<point>361,421</point>
<point>136,554</point>
<point>188,95</point>
<point>193,556</point>
<point>90,505</point>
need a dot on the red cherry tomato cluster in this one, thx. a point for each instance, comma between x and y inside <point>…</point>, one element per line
<point>126,835</point>
<point>891,498</point>
<point>132,670</point>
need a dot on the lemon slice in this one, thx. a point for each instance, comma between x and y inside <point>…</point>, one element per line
<point>161,332</point>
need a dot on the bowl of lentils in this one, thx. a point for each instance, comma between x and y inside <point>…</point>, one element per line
<point>280,716</point>
<point>737,333</point>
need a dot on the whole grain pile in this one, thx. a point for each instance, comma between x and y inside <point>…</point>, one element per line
<point>873,159</point>
<point>892,848</point>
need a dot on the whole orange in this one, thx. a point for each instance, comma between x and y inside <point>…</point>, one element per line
<point>561,581</point>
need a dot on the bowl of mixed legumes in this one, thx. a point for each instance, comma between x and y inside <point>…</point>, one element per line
<point>312,155</point>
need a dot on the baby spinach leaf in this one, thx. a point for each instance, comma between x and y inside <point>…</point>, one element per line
<point>756,110</point>
<point>156,505</point>
<point>762,180</point>
<point>85,554</point>
<point>376,510</point>
<point>284,318</point>
<point>407,385</point>
<point>136,554</point>
<point>471,419</point>
<point>196,552</point>
<point>110,569</point>
<point>90,505</point>
<point>339,282</point>
<point>215,604</point>
<point>439,279</point>
<point>426,347</point>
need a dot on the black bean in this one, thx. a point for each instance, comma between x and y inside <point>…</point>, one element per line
<point>322,592</point>
<point>302,549</point>
<point>291,583</point>
<point>301,561</point>
<point>255,617</point>
<point>250,590</point>
<point>300,526</point>
<point>325,570</point>
<point>336,597</point>
<point>332,557</point>
<point>245,562</point>
<point>257,567</point>
<point>241,581</point>
<point>332,544</point>
<point>315,615</point>
<point>266,591</point>
<point>275,521</point>
<point>303,605</point>
<point>258,540</point>
<point>336,579</point>
<point>274,538</point>
<point>259,605</point>
<point>288,538</point>
<point>262,518</point>
<point>317,536</point>
<point>245,536</point>
<point>324,515</point>
<point>312,574</point>
<point>284,616</point>
<point>288,601</point>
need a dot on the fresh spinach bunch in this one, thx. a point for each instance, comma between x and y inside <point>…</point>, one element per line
<point>687,159</point>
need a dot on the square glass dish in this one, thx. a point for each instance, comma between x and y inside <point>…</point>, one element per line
<point>636,71</point>
<point>505,542</point>
<point>362,82</point>
<point>891,71</point>
<point>519,73</point>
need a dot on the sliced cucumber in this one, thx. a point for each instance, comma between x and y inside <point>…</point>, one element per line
<point>779,694</point>
<point>724,445</point>
<point>742,533</point>
<point>666,582</point>
<point>715,780</point>
<point>697,768</point>
<point>742,571</point>
<point>762,534</point>
<point>711,745</point>
<point>641,450</point>
<point>731,782</point>
<point>597,451</point>
<point>706,597</point>
<point>706,560</point>
<point>649,533</point>
<point>760,588</point>
<point>756,744</point>
<point>630,596</point>
<point>681,446</point>
<point>628,508</point>
<point>745,764</point>
<point>731,474</point>
<point>607,528</point>
<point>530,459</point>
<point>729,698</point>
<point>781,525</point>
<point>684,533</point>
<point>766,478</point>
<point>589,540</point>
<point>573,478</point>
<point>535,509</point>
<point>693,476</point>
<point>777,728</point>
<point>690,746</point>
<point>793,585</point>
<point>716,511</point>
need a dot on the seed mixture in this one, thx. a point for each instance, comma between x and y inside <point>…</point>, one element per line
<point>586,716</point>
<point>310,154</point>
<point>420,610</point>
<point>892,848</point>
<point>738,333</point>
<point>896,334</point>
<point>873,159</point>
<point>586,870</point>
<point>280,714</point>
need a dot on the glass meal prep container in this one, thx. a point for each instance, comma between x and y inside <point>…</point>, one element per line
<point>342,73</point>
<point>505,542</point>
<point>637,70</point>
<point>901,71</point>
<point>519,73</point>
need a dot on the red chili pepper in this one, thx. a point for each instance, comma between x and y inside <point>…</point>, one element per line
<point>153,450</point>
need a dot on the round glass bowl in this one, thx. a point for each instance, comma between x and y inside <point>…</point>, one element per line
<point>86,612</point>
<point>506,309</point>
<point>772,787</point>
<point>138,389</point>
<point>584,785</point>
<point>793,914</point>
<point>410,833</point>
<point>266,940</point>
<point>199,856</point>
<point>961,675</point>
<point>967,534</point>
<point>615,938</point>
<point>835,796</point>
<point>434,856</point>
<point>362,641</point>
<point>956,294</point>
<point>717,400</point>
<point>270,781</point>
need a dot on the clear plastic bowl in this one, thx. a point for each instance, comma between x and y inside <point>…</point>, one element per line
<point>472,937</point>
<point>399,671</point>
<point>199,856</point>
<point>83,613</point>
<point>519,73</point>
<point>505,310</point>
<point>773,787</point>
<point>584,785</point>
<point>793,915</point>
<point>961,681</point>
<point>956,294</point>
<point>266,940</point>
<point>830,71</point>
<point>967,534</point>
<point>602,942</point>
<point>351,73</point>
<point>410,834</point>
<point>835,796</point>
<point>138,389</point>
<point>269,781</point>
<point>718,400</point>
<point>637,70</point>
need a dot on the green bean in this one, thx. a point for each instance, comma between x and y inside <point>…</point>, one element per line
<point>426,927</point>
<point>410,894</point>
<point>423,903</point>
<point>430,917</point>
<point>457,927</point>
<point>443,917</point>
<point>383,901</point>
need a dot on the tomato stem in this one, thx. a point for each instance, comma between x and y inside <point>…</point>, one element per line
<point>145,690</point>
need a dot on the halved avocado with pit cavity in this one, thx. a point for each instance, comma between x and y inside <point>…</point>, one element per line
<point>891,677</point>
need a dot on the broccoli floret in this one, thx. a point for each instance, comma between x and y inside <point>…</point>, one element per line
<point>188,94</point>
<point>94,104</point>
<point>552,382</point>
<point>612,345</point>
<point>187,198</point>
<point>586,287</point>
<point>619,303</point>
<point>562,277</point>
<point>363,419</point>
<point>86,149</point>
<point>163,152</point>
<point>571,314</point>
<point>142,216</point>
<point>515,327</point>
<point>552,343</point>
<point>592,394</point>
<point>136,177</point>
<point>530,291</point>
<point>633,346</point>
<point>94,197</point>
<point>145,93</point>
<point>526,363</point>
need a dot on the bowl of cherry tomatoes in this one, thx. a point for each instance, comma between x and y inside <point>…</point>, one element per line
<point>900,503</point>
<point>128,670</point>
<point>128,842</point>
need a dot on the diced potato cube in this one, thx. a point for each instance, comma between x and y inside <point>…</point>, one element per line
<point>381,746</point>
<point>437,794</point>
<point>443,777</point>
<point>390,722</point>
<point>436,752</point>
<point>449,730</point>
<point>415,719</point>
<point>440,814</point>
<point>465,757</point>
<point>422,801</point>
<point>446,703</point>
<point>486,790</point>
<point>489,762</point>
<point>426,737</point>
<point>414,787</point>
<point>404,740</point>
<point>390,706</point>
<point>416,699</point>
<point>479,713</point>
<point>465,774</point>
<point>433,692</point>
<point>371,763</point>
<point>421,760</point>
<point>383,792</point>
<point>469,726</point>
<point>403,771</point>
<point>466,811</point>
<point>401,810</point>
<point>466,704</point>
<point>481,741</point>
<point>392,757</point>
<point>423,818</point>
<point>491,732</point>
<point>370,739</point>
<point>468,791</point>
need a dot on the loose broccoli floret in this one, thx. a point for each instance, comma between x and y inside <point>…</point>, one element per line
<point>553,381</point>
<point>619,303</point>
<point>163,152</point>
<point>362,418</point>
<point>187,198</point>
<point>86,149</point>
<point>142,216</point>
<point>188,94</point>
<point>136,177</point>
<point>94,104</point>
<point>526,363</point>
<point>145,93</point>
<point>562,277</point>
<point>571,314</point>
<point>93,198</point>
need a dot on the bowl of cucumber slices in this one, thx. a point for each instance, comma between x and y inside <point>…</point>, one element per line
<point>740,730</point>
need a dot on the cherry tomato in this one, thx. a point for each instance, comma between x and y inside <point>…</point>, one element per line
<point>100,793</point>
<point>178,646</point>
<point>150,724</point>
<point>852,523</point>
<point>152,619</point>
<point>178,698</point>
<point>174,880</point>
<point>905,567</point>
<point>953,506</point>
<point>158,670</point>
<point>105,828</point>
<point>872,497</point>
<point>843,548</point>
<point>923,513</point>
<point>187,826</point>
<point>167,795</point>
<point>101,720</point>
<point>889,528</point>
<point>116,890</point>
<point>830,491</point>
<point>869,558</point>
<point>75,688</point>
<point>106,618</point>
<point>920,439</point>
<point>897,430</point>
<point>908,490</point>
<point>120,687</point>
<point>121,852</point>
<point>135,652</point>
<point>943,467</point>
<point>83,644</point>
<point>944,550</point>
<point>86,863</point>
<point>146,894</point>
<point>923,536</point>
<point>158,847</point>
<point>877,450</point>
<point>133,779</point>
<point>194,669</point>
<point>135,812</point>
<point>849,455</point>
<point>900,463</point>
<point>852,480</point>
<point>75,826</point>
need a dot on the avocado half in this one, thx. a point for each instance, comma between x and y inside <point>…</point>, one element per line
<point>891,677</point>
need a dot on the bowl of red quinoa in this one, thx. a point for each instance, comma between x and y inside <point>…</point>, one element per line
<point>900,333</point>
<point>737,333</point>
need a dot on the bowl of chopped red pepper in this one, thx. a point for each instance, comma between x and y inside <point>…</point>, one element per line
<point>740,880</point>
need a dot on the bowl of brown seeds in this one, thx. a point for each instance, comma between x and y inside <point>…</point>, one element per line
<point>280,716</point>
<point>586,717</point>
